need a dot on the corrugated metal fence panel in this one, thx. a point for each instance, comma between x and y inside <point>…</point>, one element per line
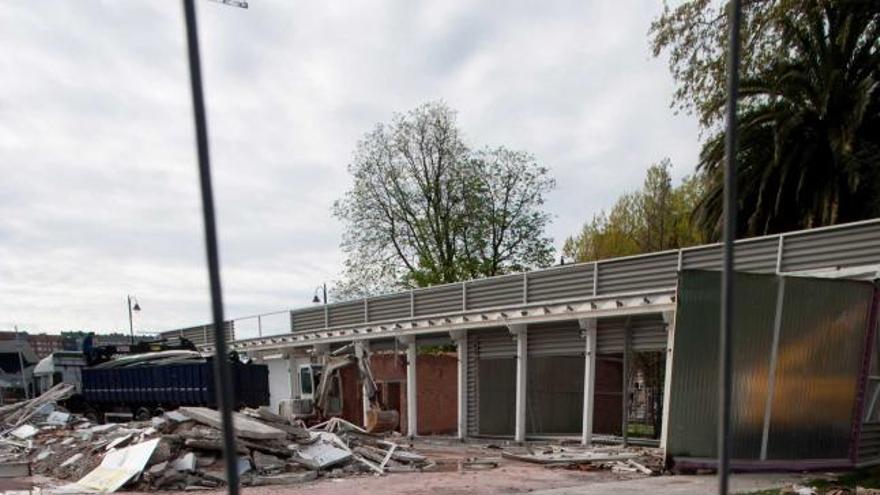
<point>495,343</point>
<point>394,307</point>
<point>555,339</point>
<point>473,399</point>
<point>648,333</point>
<point>869,442</point>
<point>350,313</point>
<point>820,348</point>
<point>694,390</point>
<point>751,256</point>
<point>641,273</point>
<point>493,292</point>
<point>202,334</point>
<point>307,319</point>
<point>567,282</point>
<point>437,300</point>
<point>610,335</point>
<point>848,246</point>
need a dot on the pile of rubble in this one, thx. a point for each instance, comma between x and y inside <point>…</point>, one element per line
<point>182,449</point>
<point>616,459</point>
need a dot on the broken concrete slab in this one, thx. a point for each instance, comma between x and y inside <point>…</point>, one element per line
<point>266,463</point>
<point>70,460</point>
<point>245,427</point>
<point>323,453</point>
<point>24,432</point>
<point>186,463</point>
<point>284,479</point>
<point>58,418</point>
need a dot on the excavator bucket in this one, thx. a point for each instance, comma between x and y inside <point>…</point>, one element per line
<point>382,421</point>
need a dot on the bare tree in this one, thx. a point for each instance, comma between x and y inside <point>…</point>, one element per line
<point>425,209</point>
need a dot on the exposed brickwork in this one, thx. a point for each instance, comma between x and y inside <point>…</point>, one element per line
<point>437,383</point>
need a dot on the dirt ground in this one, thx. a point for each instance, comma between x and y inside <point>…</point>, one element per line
<point>448,478</point>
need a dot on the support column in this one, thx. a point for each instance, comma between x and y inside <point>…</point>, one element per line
<point>519,332</point>
<point>460,339</point>
<point>589,327</point>
<point>669,319</point>
<point>627,345</point>
<point>362,352</point>
<point>411,390</point>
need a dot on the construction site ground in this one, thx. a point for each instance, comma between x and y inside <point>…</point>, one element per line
<point>450,477</point>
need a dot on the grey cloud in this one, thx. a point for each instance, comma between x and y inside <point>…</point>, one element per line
<point>99,198</point>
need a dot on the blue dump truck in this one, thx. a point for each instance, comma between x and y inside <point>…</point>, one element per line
<point>148,378</point>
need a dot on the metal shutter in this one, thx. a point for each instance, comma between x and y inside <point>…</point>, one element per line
<point>495,343</point>
<point>610,335</point>
<point>648,333</point>
<point>555,339</point>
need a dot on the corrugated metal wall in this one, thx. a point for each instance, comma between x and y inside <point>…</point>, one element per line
<point>306,319</point>
<point>869,442</point>
<point>495,292</point>
<point>438,300</point>
<point>821,332</point>
<point>555,339</point>
<point>641,273</point>
<point>564,282</point>
<point>495,343</point>
<point>820,351</point>
<point>393,307</point>
<point>841,246</point>
<point>350,313</point>
<point>203,334</point>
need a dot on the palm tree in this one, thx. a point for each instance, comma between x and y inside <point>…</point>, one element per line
<point>809,129</point>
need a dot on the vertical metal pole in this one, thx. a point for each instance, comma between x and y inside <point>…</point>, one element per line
<point>624,421</point>
<point>24,381</point>
<point>260,326</point>
<point>222,373</point>
<point>725,350</point>
<point>130,321</point>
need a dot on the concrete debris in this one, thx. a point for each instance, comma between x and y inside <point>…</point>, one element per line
<point>24,432</point>
<point>245,426</point>
<point>182,450</point>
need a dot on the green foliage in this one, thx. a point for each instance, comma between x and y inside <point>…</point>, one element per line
<point>809,109</point>
<point>426,209</point>
<point>809,151</point>
<point>655,218</point>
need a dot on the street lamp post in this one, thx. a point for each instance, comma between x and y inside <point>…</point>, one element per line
<point>316,299</point>
<point>136,307</point>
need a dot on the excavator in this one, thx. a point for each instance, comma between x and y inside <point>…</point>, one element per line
<point>321,391</point>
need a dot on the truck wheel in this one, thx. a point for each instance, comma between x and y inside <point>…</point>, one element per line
<point>142,414</point>
<point>93,415</point>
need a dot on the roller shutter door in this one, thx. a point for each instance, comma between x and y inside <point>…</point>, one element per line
<point>648,333</point>
<point>494,344</point>
<point>610,335</point>
<point>555,339</point>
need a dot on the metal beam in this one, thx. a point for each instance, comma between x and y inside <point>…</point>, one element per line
<point>641,302</point>
<point>460,339</point>
<point>520,333</point>
<point>411,388</point>
<point>669,319</point>
<point>362,351</point>
<point>589,326</point>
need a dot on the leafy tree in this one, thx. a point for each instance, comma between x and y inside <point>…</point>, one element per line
<point>810,109</point>
<point>427,209</point>
<point>655,218</point>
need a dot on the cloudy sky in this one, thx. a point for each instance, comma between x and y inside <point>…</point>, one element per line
<point>98,189</point>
